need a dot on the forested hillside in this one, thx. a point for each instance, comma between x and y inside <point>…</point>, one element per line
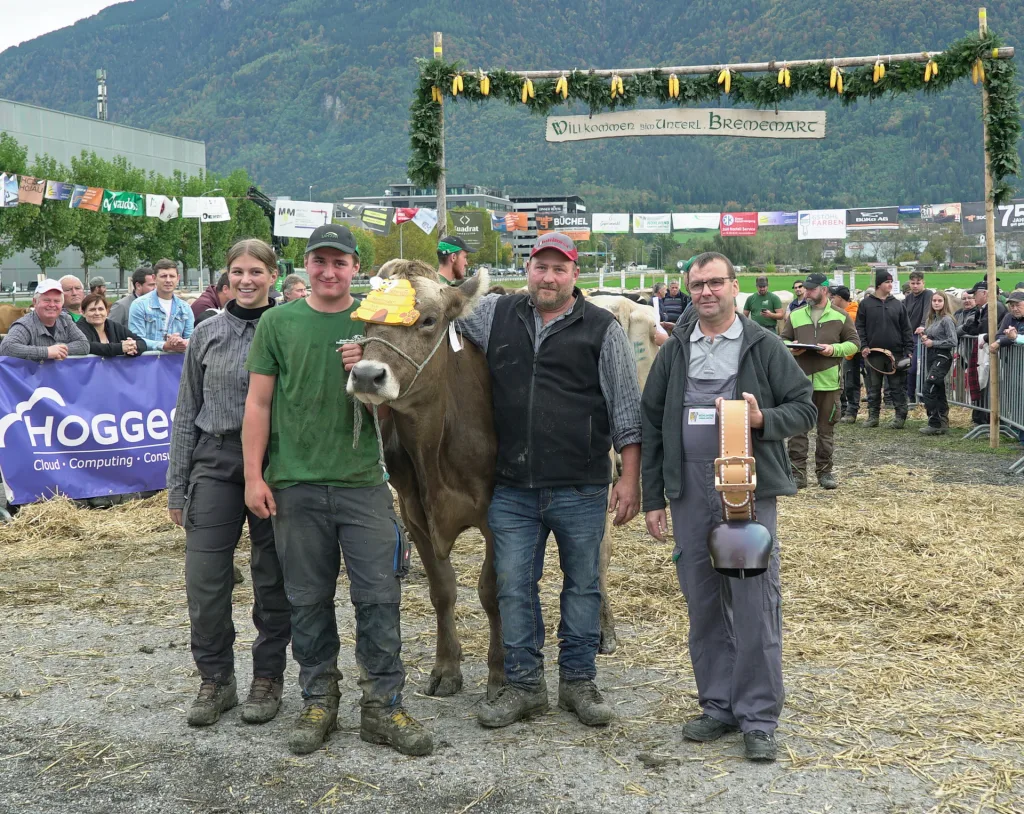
<point>303,92</point>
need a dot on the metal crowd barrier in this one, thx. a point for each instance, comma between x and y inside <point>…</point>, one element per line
<point>958,391</point>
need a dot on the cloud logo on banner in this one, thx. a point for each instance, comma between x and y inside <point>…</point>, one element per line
<point>23,407</point>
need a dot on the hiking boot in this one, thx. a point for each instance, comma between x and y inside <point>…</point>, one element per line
<point>930,430</point>
<point>317,719</point>
<point>396,728</point>
<point>705,729</point>
<point>584,699</point>
<point>264,700</point>
<point>801,479</point>
<point>212,700</point>
<point>513,704</point>
<point>759,745</point>
<point>872,420</point>
<point>897,423</point>
<point>849,418</point>
<point>828,481</point>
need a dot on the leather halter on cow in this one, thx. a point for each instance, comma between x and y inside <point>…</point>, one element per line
<point>739,546</point>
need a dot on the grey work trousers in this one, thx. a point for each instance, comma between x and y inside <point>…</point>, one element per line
<point>213,516</point>
<point>735,624</point>
<point>316,526</point>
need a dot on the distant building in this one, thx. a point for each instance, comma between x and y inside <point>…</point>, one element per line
<point>408,195</point>
<point>522,242</point>
<point>65,135</point>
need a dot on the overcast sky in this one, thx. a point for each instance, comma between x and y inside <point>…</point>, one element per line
<point>27,19</point>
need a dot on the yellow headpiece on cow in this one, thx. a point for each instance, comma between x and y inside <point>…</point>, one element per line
<point>393,303</point>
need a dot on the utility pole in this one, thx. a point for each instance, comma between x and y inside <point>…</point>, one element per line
<point>442,188</point>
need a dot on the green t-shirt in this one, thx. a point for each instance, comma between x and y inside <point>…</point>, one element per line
<point>756,303</point>
<point>311,419</point>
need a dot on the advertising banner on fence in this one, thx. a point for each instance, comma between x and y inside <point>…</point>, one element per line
<point>123,203</point>
<point>86,427</point>
<point>821,224</point>
<point>208,210</point>
<point>8,190</point>
<point>470,227</point>
<point>776,218</point>
<point>695,220</point>
<point>788,124</point>
<point>509,221</point>
<point>300,218</point>
<point>881,217</point>
<point>31,190</point>
<point>58,191</point>
<point>738,224</point>
<point>941,213</point>
<point>660,224</point>
<point>575,226</point>
<point>610,223</point>
<point>909,212</point>
<point>1009,217</point>
<point>376,219</point>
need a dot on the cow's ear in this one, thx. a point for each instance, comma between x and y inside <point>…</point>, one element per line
<point>460,301</point>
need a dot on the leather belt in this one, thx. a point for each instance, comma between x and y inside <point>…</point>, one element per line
<point>735,468</point>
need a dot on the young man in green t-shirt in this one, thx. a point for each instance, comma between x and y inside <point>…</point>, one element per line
<point>328,501</point>
<point>764,307</point>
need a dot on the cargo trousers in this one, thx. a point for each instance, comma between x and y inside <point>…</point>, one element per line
<point>827,402</point>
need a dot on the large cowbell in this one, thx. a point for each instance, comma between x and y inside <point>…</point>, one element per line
<point>740,548</point>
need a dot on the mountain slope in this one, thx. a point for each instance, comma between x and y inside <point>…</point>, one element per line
<point>316,92</point>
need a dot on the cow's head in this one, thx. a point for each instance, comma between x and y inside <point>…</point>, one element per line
<point>384,375</point>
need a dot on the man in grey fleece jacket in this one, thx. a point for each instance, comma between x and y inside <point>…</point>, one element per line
<point>735,625</point>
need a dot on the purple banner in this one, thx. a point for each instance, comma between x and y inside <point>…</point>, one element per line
<point>86,427</point>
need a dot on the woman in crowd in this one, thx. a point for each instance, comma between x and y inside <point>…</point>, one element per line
<point>206,495</point>
<point>939,337</point>
<point>107,337</point>
<point>293,288</point>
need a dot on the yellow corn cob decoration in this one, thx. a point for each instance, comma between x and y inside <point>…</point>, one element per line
<point>725,79</point>
<point>456,84</point>
<point>485,84</point>
<point>832,78</point>
<point>839,82</point>
<point>978,71</point>
<point>931,70</point>
<point>878,73</point>
<point>562,87</point>
<point>617,86</point>
<point>995,53</point>
<point>881,70</point>
<point>527,90</point>
<point>673,87</point>
<point>435,93</point>
<point>529,87</point>
<point>782,76</point>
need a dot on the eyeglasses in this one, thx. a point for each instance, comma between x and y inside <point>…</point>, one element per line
<point>716,284</point>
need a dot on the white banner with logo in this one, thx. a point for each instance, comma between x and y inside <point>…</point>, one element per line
<point>208,210</point>
<point>610,223</point>
<point>300,218</point>
<point>821,224</point>
<point>695,220</point>
<point>658,224</point>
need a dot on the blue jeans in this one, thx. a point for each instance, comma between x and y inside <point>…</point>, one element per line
<point>521,520</point>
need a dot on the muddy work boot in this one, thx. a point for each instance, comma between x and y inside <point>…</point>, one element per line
<point>898,422</point>
<point>828,481</point>
<point>759,745</point>
<point>705,729</point>
<point>585,700</point>
<point>800,478</point>
<point>872,420</point>
<point>318,717</point>
<point>394,727</point>
<point>513,704</point>
<point>264,700</point>
<point>930,430</point>
<point>849,418</point>
<point>212,700</point>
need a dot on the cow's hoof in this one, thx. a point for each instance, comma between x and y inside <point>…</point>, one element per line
<point>494,687</point>
<point>609,644</point>
<point>442,686</point>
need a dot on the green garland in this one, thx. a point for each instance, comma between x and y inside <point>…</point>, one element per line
<point>763,91</point>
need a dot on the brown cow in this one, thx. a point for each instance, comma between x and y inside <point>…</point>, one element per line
<point>9,314</point>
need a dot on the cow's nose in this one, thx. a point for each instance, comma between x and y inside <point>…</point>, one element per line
<point>368,377</point>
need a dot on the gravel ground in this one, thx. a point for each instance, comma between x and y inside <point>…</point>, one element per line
<point>97,675</point>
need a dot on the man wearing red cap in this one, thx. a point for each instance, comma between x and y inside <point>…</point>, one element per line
<point>565,390</point>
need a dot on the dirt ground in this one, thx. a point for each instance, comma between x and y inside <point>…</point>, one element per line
<point>903,609</point>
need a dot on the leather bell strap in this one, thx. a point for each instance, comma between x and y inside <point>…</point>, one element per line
<point>735,469</point>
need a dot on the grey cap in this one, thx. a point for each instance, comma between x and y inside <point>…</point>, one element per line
<point>762,280</point>
<point>95,281</point>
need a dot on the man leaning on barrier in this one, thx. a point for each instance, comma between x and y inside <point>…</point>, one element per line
<point>46,333</point>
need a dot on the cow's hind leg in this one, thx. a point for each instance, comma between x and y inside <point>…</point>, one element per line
<point>609,644</point>
<point>487,588</point>
<point>446,677</point>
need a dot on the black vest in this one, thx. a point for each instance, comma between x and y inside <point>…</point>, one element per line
<point>550,415</point>
<point>672,307</point>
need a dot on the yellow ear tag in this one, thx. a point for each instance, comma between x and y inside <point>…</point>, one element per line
<point>394,303</point>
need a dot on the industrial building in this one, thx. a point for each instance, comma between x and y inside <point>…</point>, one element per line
<point>522,242</point>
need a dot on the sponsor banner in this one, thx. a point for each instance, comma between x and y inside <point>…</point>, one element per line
<point>404,214</point>
<point>426,219</point>
<point>776,218</point>
<point>509,222</point>
<point>1009,217</point>
<point>208,210</point>
<point>377,219</point>
<point>738,224</point>
<point>86,427</point>
<point>821,224</point>
<point>610,223</point>
<point>909,212</point>
<point>786,124</point>
<point>300,218</point>
<point>940,213</point>
<point>695,220</point>
<point>123,203</point>
<point>90,198</point>
<point>58,191</point>
<point>8,190</point>
<point>575,226</point>
<point>660,224</point>
<point>162,207</point>
<point>470,227</point>
<point>880,217</point>
<point>31,190</point>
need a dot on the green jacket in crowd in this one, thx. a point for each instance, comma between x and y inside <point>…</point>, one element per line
<point>835,328</point>
<point>767,370</point>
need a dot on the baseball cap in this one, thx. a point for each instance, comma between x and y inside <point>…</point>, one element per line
<point>1019,286</point>
<point>48,285</point>
<point>1015,296</point>
<point>332,236</point>
<point>761,281</point>
<point>95,281</point>
<point>840,291</point>
<point>558,242</point>
<point>815,279</point>
<point>453,244</point>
